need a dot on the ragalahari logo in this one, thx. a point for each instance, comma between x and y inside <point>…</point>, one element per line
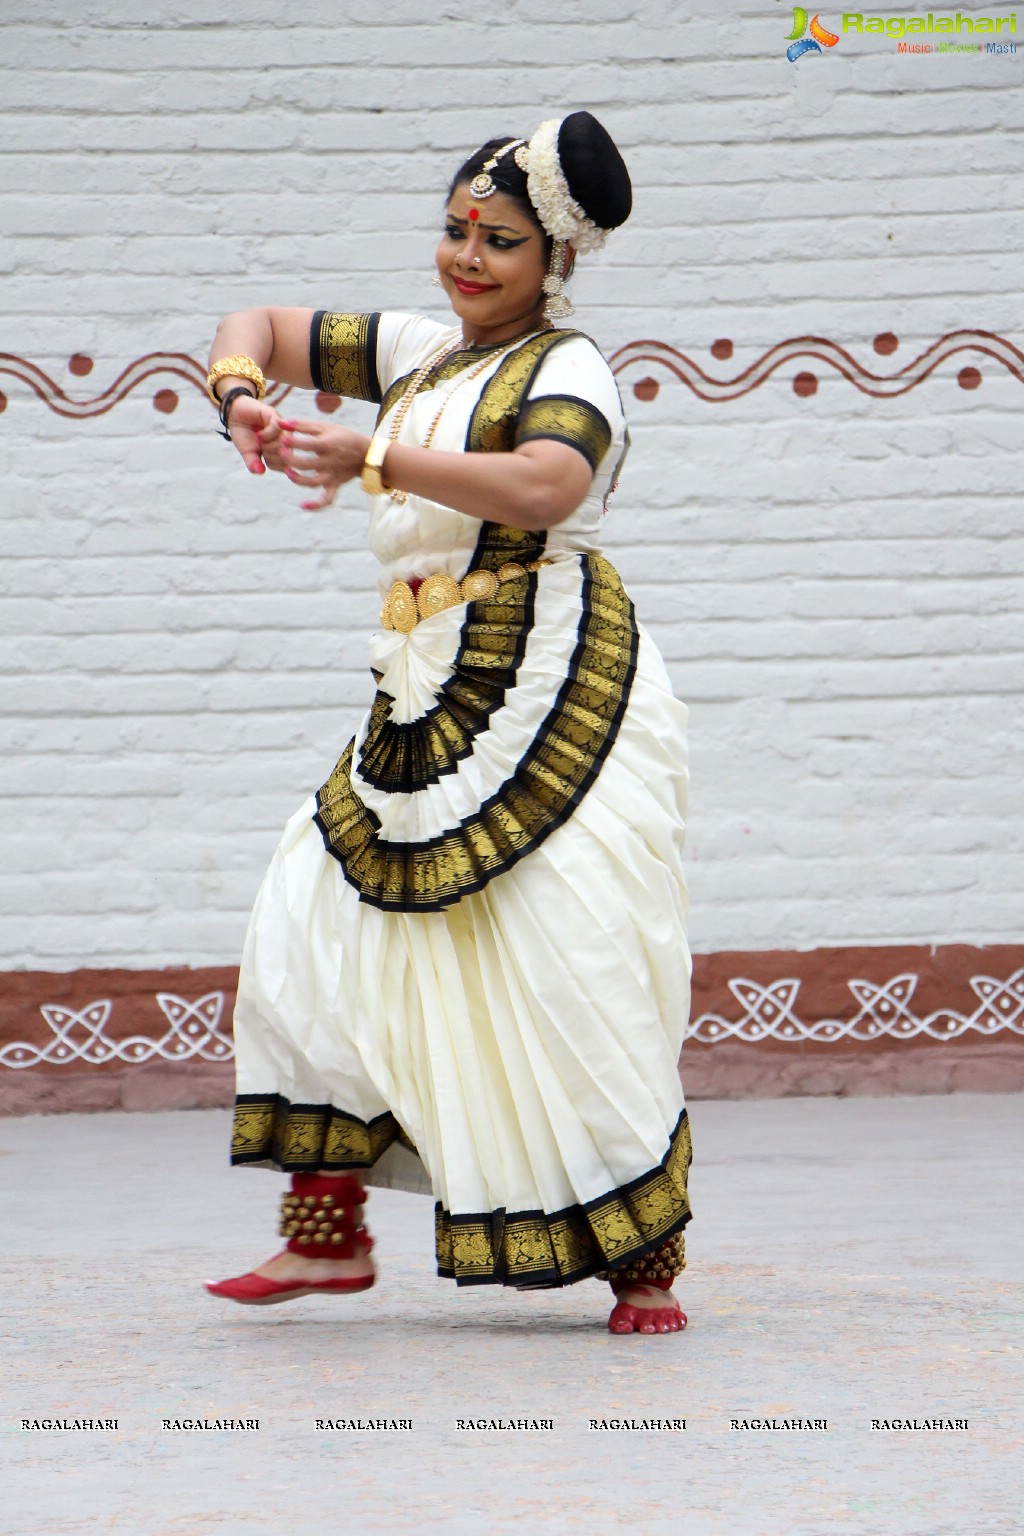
<point>818,39</point>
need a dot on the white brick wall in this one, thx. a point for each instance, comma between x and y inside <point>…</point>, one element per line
<point>835,581</point>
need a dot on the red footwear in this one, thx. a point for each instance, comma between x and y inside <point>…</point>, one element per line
<point>257,1291</point>
<point>319,1219</point>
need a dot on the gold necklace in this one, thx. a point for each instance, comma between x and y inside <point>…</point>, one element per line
<point>434,361</point>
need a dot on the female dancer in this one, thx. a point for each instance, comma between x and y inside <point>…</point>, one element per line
<point>468,955</point>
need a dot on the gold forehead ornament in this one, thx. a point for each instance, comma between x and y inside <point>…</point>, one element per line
<point>483,184</point>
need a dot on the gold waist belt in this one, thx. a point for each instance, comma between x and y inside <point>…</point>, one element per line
<point>408,602</point>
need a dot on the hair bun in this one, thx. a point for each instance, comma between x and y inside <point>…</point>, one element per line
<point>594,170</point>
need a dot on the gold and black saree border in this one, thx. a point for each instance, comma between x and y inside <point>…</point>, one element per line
<point>549,782</point>
<point>495,419</point>
<point>404,758</point>
<point>271,1132</point>
<point>493,423</point>
<point>343,354</point>
<point>528,1249</point>
<point>566,419</point>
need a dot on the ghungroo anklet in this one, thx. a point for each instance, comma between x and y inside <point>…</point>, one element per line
<point>318,1217</point>
<point>659,1268</point>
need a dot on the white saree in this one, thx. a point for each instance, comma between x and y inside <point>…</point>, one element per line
<point>467,969</point>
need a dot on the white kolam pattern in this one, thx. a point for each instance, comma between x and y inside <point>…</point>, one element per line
<point>884,1009</point>
<point>80,1036</point>
<point>769,1012</point>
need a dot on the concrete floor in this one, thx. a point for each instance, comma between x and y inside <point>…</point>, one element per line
<point>850,1259</point>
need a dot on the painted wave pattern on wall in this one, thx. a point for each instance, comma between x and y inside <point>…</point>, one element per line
<point>825,355</point>
<point>768,1012</point>
<point>163,373</point>
<point>154,367</point>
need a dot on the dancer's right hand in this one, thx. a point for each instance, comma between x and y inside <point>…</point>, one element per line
<point>254,432</point>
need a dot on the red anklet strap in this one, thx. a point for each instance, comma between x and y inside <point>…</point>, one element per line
<point>658,1268</point>
<point>621,1283</point>
<point>319,1217</point>
<point>344,1189</point>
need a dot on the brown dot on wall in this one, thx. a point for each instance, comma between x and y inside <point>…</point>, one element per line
<point>805,384</point>
<point>885,343</point>
<point>646,389</point>
<point>80,365</point>
<point>328,404</point>
<point>165,401</point>
<point>722,348</point>
<point>968,378</point>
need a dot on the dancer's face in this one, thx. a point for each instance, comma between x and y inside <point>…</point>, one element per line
<point>491,261</point>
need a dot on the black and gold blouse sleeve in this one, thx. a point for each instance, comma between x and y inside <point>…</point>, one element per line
<point>566,419</point>
<point>343,355</point>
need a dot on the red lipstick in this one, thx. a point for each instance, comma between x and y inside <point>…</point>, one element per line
<point>470,288</point>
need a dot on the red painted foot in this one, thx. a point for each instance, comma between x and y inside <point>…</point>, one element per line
<point>257,1291</point>
<point>626,1318</point>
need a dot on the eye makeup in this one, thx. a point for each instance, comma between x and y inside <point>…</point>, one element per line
<point>503,229</point>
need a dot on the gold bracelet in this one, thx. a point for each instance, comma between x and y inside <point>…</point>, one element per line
<point>372,479</point>
<point>237,367</point>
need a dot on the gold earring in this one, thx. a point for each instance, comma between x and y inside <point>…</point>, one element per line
<point>559,306</point>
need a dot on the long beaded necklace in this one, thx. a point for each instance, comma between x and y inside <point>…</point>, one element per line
<point>434,361</point>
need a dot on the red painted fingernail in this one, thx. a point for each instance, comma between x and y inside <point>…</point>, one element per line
<point>309,506</point>
<point>257,468</point>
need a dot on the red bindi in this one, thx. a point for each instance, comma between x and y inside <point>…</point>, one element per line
<point>474,214</point>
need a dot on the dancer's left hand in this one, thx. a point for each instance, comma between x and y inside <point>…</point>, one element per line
<point>321,456</point>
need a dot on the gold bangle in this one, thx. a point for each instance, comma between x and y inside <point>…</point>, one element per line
<point>236,367</point>
<point>372,479</point>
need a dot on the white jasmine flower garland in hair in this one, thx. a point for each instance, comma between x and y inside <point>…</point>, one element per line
<point>559,213</point>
